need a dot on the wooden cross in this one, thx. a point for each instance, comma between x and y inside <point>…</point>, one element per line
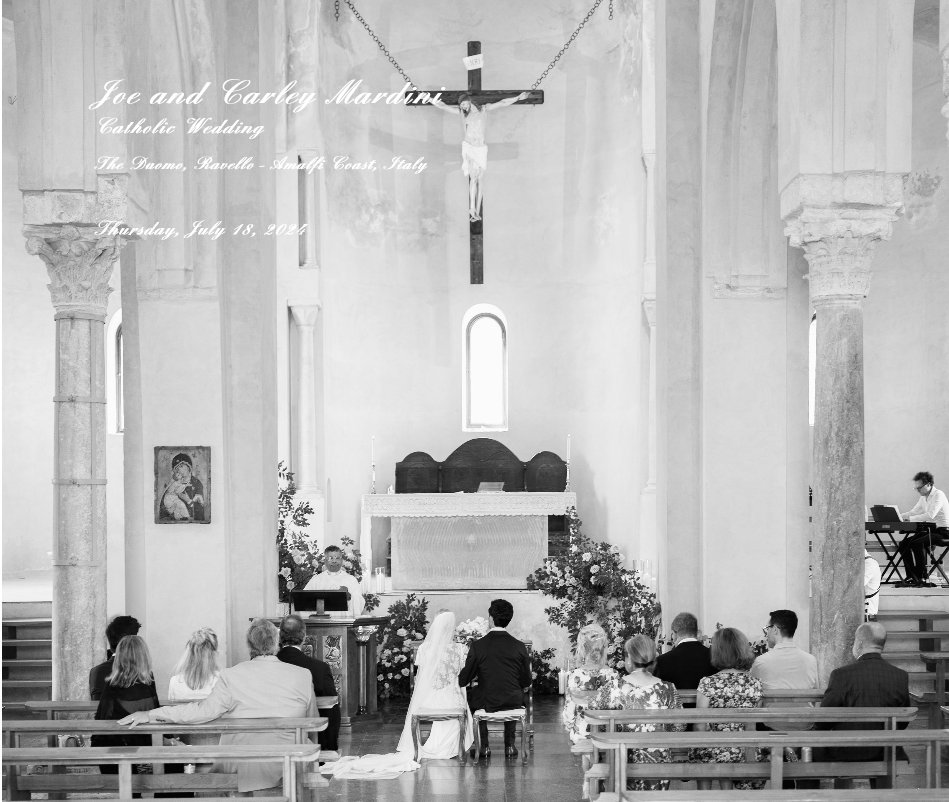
<point>480,96</point>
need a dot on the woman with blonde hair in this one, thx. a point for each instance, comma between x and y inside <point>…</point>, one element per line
<point>583,682</point>
<point>732,686</point>
<point>196,672</point>
<point>638,689</point>
<point>129,688</point>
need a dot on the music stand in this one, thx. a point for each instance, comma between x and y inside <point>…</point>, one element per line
<point>319,601</point>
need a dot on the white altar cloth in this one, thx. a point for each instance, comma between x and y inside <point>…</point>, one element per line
<point>520,518</point>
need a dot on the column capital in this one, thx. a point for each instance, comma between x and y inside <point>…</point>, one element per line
<point>79,263</point>
<point>838,220</point>
<point>305,313</point>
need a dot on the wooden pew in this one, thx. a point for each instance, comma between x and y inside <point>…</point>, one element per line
<point>797,696</point>
<point>775,770</point>
<point>125,783</point>
<point>52,710</point>
<point>606,721</point>
<point>801,795</point>
<point>14,731</point>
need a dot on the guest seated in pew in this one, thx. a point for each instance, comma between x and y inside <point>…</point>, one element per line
<point>869,682</point>
<point>129,687</point>
<point>118,628</point>
<point>732,686</point>
<point>585,680</point>
<point>196,672</point>
<point>292,635</point>
<point>785,666</point>
<point>689,660</point>
<point>640,690</point>
<point>261,687</point>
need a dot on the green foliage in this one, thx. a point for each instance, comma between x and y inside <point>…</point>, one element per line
<point>298,555</point>
<point>407,622</point>
<point>590,584</point>
<point>546,676</point>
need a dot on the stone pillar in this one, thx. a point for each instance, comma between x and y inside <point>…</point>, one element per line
<point>838,244</point>
<point>944,50</point>
<point>79,265</point>
<point>648,549</point>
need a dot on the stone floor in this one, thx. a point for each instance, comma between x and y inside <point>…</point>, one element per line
<point>552,774</point>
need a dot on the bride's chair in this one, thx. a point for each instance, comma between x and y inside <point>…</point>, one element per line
<point>439,715</point>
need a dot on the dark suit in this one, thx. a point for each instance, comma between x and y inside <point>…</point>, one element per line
<point>500,663</point>
<point>685,665</point>
<point>869,682</point>
<point>97,677</point>
<point>323,685</point>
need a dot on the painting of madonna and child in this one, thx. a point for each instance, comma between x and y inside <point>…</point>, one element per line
<point>182,484</point>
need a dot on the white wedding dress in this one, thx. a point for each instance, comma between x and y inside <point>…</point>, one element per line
<point>436,688</point>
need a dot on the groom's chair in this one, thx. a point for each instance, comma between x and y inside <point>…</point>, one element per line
<point>501,717</point>
<point>439,715</point>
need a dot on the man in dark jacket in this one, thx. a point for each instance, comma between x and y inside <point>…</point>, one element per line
<point>118,628</point>
<point>689,660</point>
<point>292,635</point>
<point>869,682</point>
<point>500,663</point>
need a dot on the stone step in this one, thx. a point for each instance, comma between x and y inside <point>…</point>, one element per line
<point>27,622</point>
<point>27,663</point>
<point>14,684</point>
<point>27,641</point>
<point>918,614</point>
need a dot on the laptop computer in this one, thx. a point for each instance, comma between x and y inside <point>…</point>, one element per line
<point>885,513</point>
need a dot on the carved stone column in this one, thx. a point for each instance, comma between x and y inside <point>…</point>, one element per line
<point>79,265</point>
<point>305,316</point>
<point>838,244</point>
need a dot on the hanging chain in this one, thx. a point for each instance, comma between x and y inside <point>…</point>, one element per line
<point>402,72</point>
<point>376,39</point>
<point>569,42</point>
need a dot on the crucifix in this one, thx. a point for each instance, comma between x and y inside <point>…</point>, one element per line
<point>472,104</point>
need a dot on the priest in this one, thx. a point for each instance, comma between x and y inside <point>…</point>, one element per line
<point>333,577</point>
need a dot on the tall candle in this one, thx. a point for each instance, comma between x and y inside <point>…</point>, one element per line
<point>568,448</point>
<point>372,450</point>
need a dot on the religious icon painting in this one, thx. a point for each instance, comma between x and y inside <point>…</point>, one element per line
<point>182,484</point>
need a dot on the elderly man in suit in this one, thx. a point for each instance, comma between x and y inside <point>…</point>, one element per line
<point>292,635</point>
<point>262,687</point>
<point>869,682</point>
<point>689,660</point>
<point>500,663</point>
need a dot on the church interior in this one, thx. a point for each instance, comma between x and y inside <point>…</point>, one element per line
<point>705,304</point>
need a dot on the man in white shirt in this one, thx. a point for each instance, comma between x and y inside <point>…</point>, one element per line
<point>333,577</point>
<point>933,508</point>
<point>785,666</point>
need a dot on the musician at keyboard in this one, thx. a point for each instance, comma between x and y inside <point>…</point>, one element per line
<point>932,508</point>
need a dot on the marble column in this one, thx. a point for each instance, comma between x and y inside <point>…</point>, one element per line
<point>944,51</point>
<point>648,548</point>
<point>838,246</point>
<point>305,316</point>
<point>79,265</point>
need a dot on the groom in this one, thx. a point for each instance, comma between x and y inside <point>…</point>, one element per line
<point>500,663</point>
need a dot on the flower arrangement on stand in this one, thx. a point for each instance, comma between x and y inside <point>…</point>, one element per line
<point>545,675</point>
<point>407,622</point>
<point>299,557</point>
<point>590,584</point>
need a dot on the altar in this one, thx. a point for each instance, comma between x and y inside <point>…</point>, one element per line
<point>479,541</point>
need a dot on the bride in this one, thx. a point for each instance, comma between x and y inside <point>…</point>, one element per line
<point>439,660</point>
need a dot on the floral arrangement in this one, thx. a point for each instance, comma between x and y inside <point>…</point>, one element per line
<point>470,630</point>
<point>298,555</point>
<point>590,584</point>
<point>407,623</point>
<point>546,676</point>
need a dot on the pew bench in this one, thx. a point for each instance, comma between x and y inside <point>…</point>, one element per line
<point>125,783</point>
<point>54,710</point>
<point>775,770</point>
<point>607,721</point>
<point>801,795</point>
<point>805,696</point>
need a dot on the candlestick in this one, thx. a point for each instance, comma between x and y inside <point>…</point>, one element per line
<point>568,448</point>
<point>372,450</point>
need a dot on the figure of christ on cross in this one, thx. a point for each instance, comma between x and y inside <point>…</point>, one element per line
<point>474,151</point>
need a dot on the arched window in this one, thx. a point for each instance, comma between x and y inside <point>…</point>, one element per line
<point>119,387</point>
<point>811,369</point>
<point>485,370</point>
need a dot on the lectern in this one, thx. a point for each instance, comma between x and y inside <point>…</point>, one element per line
<point>349,647</point>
